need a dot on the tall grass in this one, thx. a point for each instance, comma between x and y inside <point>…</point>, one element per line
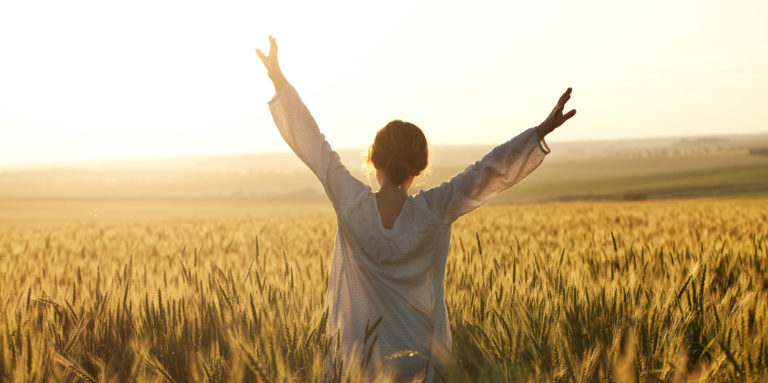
<point>640,291</point>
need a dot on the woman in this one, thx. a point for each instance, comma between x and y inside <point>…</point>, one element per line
<point>385,294</point>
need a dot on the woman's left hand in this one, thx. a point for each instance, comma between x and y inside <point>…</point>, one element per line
<point>556,118</point>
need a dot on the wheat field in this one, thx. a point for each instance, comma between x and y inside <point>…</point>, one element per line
<point>585,291</point>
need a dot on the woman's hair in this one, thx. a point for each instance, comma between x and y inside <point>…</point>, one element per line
<point>400,150</point>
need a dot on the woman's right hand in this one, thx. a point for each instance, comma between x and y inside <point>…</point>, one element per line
<point>273,67</point>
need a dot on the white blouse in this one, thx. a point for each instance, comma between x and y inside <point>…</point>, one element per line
<point>395,275</point>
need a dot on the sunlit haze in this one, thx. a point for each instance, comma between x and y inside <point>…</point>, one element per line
<point>92,80</point>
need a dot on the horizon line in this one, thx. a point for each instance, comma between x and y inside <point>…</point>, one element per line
<point>345,148</point>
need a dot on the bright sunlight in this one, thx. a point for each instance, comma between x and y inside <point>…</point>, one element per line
<point>91,80</point>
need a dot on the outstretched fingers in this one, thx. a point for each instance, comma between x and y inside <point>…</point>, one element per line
<point>269,61</point>
<point>561,104</point>
<point>261,55</point>
<point>559,117</point>
<point>272,46</point>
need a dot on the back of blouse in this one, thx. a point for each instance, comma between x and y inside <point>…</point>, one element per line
<point>393,276</point>
<point>386,286</point>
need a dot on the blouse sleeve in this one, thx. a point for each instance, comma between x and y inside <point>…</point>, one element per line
<point>300,132</point>
<point>503,167</point>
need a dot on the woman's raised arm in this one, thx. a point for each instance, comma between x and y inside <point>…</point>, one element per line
<point>503,167</point>
<point>301,133</point>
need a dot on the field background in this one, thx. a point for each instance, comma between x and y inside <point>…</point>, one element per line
<point>245,184</point>
<point>603,268</point>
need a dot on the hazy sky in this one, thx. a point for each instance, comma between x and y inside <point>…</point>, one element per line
<point>105,79</point>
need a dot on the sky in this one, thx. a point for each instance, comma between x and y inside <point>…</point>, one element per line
<point>84,80</point>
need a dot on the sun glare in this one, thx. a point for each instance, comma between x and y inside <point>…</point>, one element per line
<point>89,79</point>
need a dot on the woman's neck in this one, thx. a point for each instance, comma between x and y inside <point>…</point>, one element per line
<point>390,189</point>
<point>390,200</point>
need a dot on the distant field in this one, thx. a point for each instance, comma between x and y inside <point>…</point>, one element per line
<point>733,181</point>
<point>617,170</point>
